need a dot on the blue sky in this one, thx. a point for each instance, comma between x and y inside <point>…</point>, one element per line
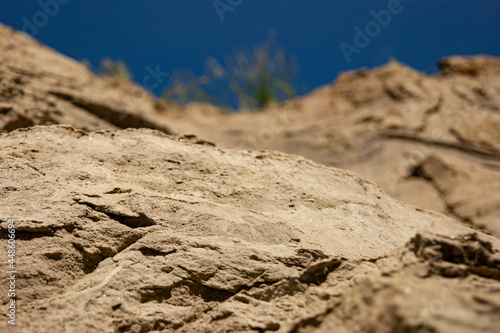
<point>184,33</point>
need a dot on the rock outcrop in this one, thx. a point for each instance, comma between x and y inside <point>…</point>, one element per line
<point>41,87</point>
<point>137,231</point>
<point>431,141</point>
<point>126,221</point>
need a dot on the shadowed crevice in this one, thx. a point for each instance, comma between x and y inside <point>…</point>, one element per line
<point>116,117</point>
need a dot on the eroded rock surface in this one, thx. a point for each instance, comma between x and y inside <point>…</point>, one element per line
<point>138,231</point>
<point>38,86</point>
<point>392,125</point>
<point>431,141</point>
